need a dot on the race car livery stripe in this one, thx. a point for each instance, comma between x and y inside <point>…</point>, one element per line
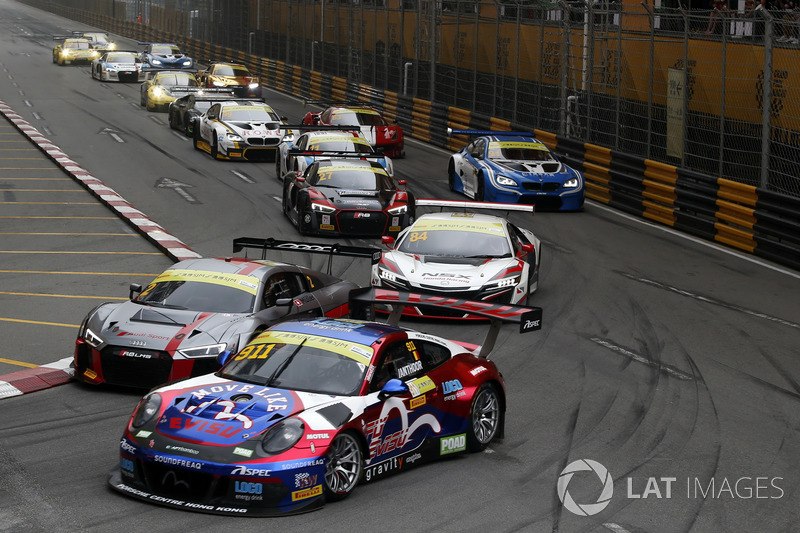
<point>331,138</point>
<point>355,351</point>
<point>425,224</point>
<point>184,331</point>
<point>532,145</point>
<point>234,281</point>
<point>338,312</point>
<point>362,111</point>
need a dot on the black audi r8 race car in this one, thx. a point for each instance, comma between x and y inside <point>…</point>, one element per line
<point>185,110</point>
<point>200,309</point>
<point>313,407</point>
<point>347,197</point>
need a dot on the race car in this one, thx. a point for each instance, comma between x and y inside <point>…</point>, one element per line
<point>230,75</point>
<point>514,167</point>
<point>247,129</point>
<point>101,41</point>
<point>295,156</point>
<point>73,50</point>
<point>163,86</point>
<point>311,408</point>
<point>122,66</point>
<point>384,137</point>
<point>462,255</point>
<point>200,308</point>
<point>165,55</point>
<point>346,197</point>
<point>184,110</point>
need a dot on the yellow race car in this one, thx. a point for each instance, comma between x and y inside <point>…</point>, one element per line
<point>163,86</point>
<point>233,76</point>
<point>73,50</point>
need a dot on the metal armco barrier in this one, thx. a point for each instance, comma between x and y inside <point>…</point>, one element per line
<point>748,218</point>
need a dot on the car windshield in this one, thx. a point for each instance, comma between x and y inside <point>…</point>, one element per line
<point>359,178</point>
<point>212,292</point>
<point>224,70</point>
<point>346,117</point>
<point>180,80</point>
<point>301,362</point>
<point>121,58</point>
<point>165,50</point>
<point>249,114</point>
<point>342,145</point>
<point>77,45</point>
<point>452,242</point>
<point>519,151</point>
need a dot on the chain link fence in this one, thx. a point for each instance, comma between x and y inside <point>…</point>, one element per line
<point>714,91</point>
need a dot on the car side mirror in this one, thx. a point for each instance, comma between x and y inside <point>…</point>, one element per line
<point>528,248</point>
<point>388,240</point>
<point>283,302</point>
<point>401,182</point>
<point>393,387</point>
<point>224,357</point>
<point>134,288</point>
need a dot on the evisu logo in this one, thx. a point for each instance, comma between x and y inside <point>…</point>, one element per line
<point>397,440</point>
<point>585,509</point>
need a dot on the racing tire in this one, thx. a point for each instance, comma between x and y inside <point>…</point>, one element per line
<point>173,121</point>
<point>214,148</point>
<point>344,466</point>
<point>188,127</point>
<point>196,137</point>
<point>278,169</point>
<point>55,59</point>
<point>485,418</point>
<point>142,101</point>
<point>451,176</point>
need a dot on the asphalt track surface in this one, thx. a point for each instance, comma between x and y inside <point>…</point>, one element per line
<point>671,362</point>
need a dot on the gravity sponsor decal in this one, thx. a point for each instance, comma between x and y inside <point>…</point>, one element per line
<point>382,468</point>
<point>453,444</point>
<point>236,281</point>
<point>379,444</point>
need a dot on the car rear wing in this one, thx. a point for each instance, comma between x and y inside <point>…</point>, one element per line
<point>331,250</point>
<point>311,127</point>
<point>528,318</point>
<point>341,154</point>
<point>469,205</point>
<point>451,132</point>
<point>170,69</point>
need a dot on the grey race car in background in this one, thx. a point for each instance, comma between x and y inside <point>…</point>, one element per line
<point>202,309</point>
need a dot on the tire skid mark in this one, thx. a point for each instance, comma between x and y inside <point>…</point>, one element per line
<point>633,356</point>
<point>572,424</point>
<point>708,299</point>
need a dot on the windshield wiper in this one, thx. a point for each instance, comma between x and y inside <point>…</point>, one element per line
<point>282,366</point>
<point>487,256</point>
<point>163,305</point>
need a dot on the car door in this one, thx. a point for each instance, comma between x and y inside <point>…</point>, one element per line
<point>397,426</point>
<point>207,123</point>
<point>471,165</point>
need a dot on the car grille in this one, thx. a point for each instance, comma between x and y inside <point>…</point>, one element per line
<point>547,186</point>
<point>259,154</point>
<point>350,224</point>
<point>150,369</point>
<point>201,487</point>
<point>541,202</point>
<point>133,76</point>
<point>260,141</point>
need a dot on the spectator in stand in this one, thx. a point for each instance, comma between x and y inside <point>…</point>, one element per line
<point>715,17</point>
<point>789,25</point>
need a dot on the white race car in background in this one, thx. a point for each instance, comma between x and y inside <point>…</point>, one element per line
<point>463,255</point>
<point>118,66</point>
<point>348,142</point>
<point>244,129</point>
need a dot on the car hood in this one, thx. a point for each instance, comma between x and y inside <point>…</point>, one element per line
<point>156,328</point>
<point>545,167</point>
<point>362,200</point>
<point>235,80</point>
<point>449,273</point>
<point>256,129</point>
<point>216,411</point>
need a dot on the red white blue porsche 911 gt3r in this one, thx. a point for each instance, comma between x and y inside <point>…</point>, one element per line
<point>312,407</point>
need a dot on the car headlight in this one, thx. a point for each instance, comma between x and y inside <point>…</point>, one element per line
<point>212,350</point>
<point>508,182</point>
<point>402,210</point>
<point>218,83</point>
<point>234,138</point>
<point>112,46</point>
<point>253,85</point>
<point>571,183</point>
<point>388,275</point>
<point>155,61</point>
<point>187,63</point>
<point>158,91</point>
<point>148,408</point>
<point>283,436</point>
<point>92,339</point>
<point>322,208</point>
